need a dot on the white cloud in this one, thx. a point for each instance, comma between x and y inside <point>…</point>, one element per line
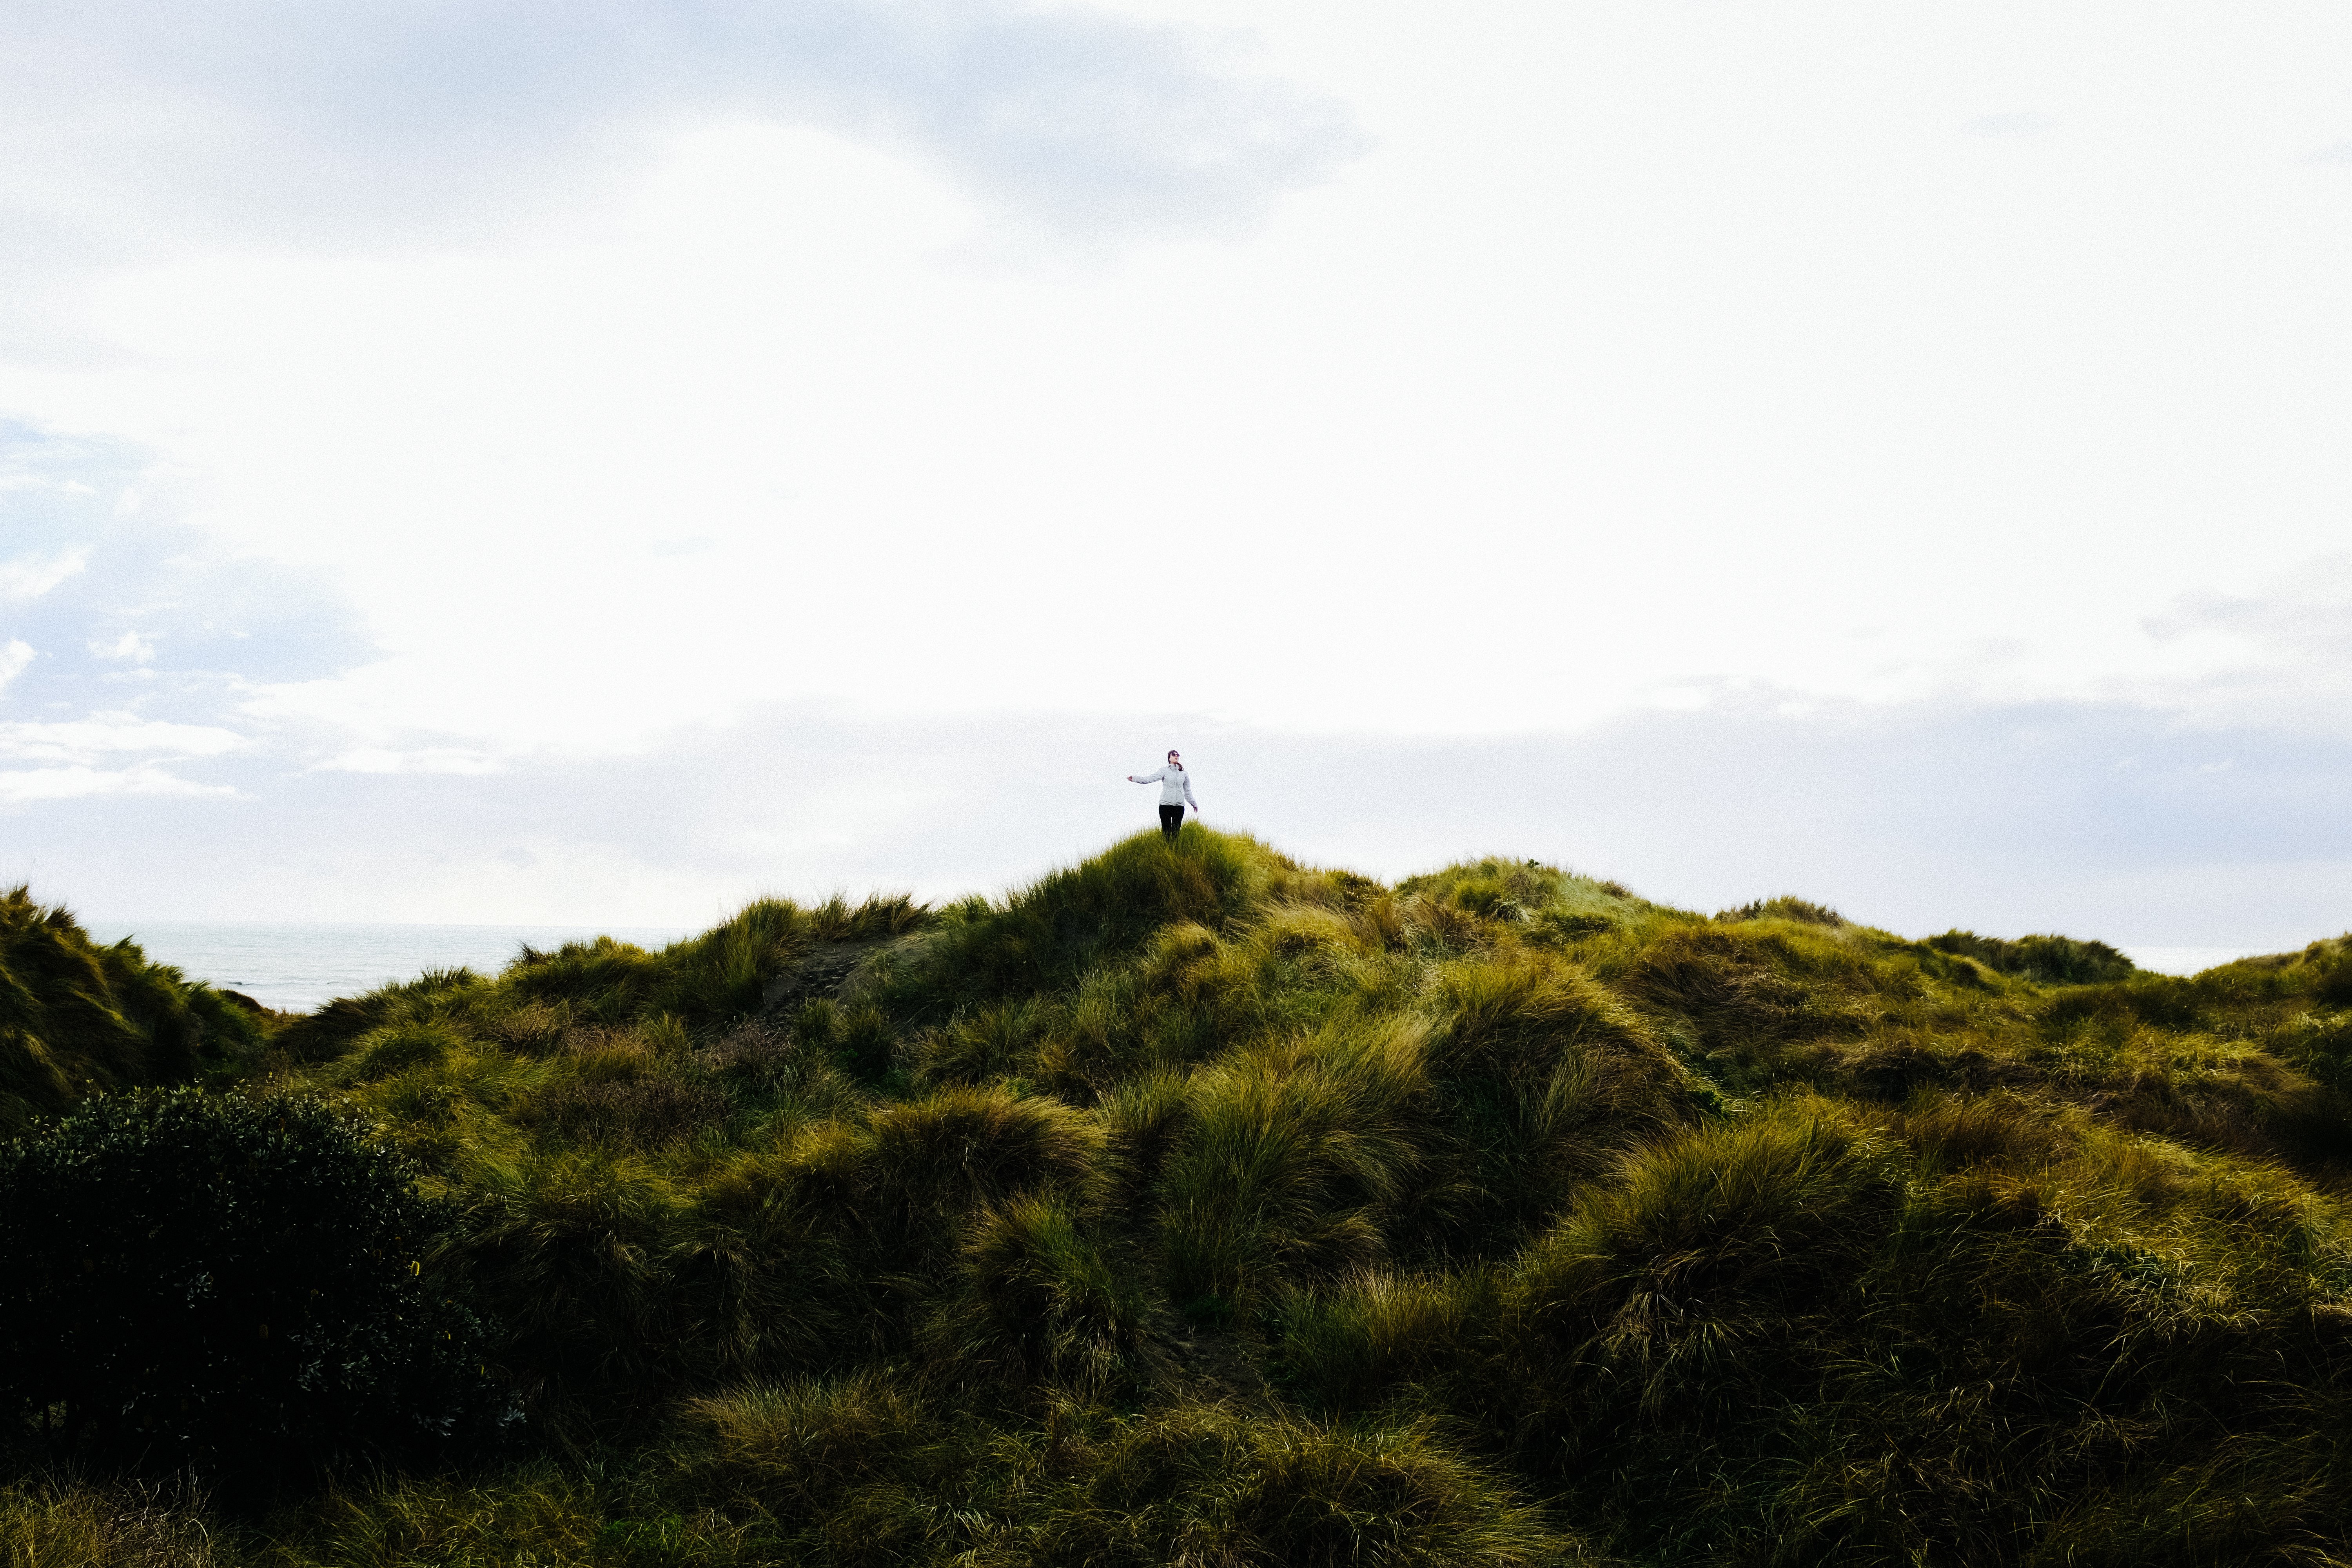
<point>1563,401</point>
<point>129,646</point>
<point>2279,652</point>
<point>80,782</point>
<point>32,576</point>
<point>421,760</point>
<point>84,742</point>
<point>15,658</point>
<point>351,123</point>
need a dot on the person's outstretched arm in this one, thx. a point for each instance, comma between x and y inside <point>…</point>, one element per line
<point>1151,778</point>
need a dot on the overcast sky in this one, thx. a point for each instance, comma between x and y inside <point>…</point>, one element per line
<point>576,462</point>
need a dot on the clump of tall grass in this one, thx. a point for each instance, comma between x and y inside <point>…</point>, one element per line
<point>1543,1077</point>
<point>48,1521</point>
<point>575,1256</point>
<point>1043,937</point>
<point>1786,907</point>
<point>1294,1150</point>
<point>2045,960</point>
<point>797,1449</point>
<point>1371,1338</point>
<point>76,1017</point>
<point>961,1150</point>
<point>1036,1298</point>
<point>853,1471</point>
<point>1713,1245</point>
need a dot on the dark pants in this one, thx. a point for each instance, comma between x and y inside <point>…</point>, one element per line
<point>1171,817</point>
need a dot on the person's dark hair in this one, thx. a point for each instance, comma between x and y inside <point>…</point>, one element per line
<point>1176,756</point>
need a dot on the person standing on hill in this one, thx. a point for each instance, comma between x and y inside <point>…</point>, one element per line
<point>1175,793</point>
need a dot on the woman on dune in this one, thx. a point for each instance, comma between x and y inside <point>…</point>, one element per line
<point>1175,793</point>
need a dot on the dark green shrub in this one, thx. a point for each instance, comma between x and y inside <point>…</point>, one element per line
<point>234,1286</point>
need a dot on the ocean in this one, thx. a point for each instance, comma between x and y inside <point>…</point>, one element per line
<point>295,968</point>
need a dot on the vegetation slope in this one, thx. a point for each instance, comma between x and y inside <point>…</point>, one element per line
<point>77,1019</point>
<point>1199,1206</point>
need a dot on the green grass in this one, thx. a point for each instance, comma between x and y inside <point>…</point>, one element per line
<point>77,1019</point>
<point>1200,1205</point>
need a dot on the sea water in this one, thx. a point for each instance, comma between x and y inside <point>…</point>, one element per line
<point>294,968</point>
<point>2191,960</point>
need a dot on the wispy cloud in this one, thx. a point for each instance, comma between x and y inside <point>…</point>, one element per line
<point>108,754</point>
<point>129,646</point>
<point>15,658</point>
<point>83,740</point>
<point>363,121</point>
<point>30,576</point>
<point>421,760</point>
<point>2101,820</point>
<point>2283,652</point>
<point>78,783</point>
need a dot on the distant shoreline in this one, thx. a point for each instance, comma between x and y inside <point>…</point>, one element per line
<point>295,967</point>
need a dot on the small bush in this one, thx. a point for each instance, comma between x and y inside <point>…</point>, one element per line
<point>233,1286</point>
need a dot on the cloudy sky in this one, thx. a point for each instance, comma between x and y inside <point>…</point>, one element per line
<point>522,461</point>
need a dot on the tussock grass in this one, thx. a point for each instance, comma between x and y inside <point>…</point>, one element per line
<point>1192,1205</point>
<point>47,1521</point>
<point>77,1019</point>
<point>853,1471</point>
<point>1037,1299</point>
<point>2052,960</point>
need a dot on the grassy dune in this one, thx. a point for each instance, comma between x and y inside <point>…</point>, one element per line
<point>1200,1207</point>
<point>77,1019</point>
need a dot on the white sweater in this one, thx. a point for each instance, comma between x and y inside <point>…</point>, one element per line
<point>1175,787</point>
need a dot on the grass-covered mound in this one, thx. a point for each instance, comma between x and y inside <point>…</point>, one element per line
<point>77,1019</point>
<point>1200,1207</point>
